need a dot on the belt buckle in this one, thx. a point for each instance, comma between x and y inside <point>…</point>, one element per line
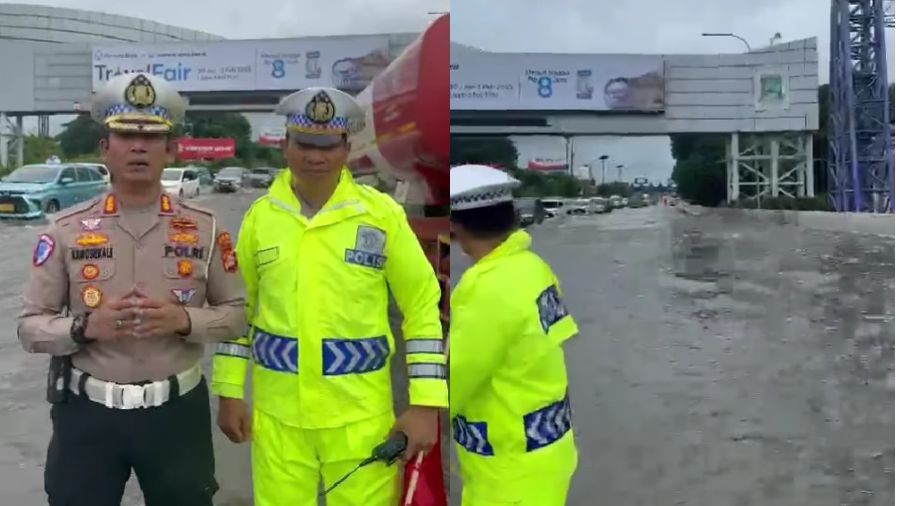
<point>132,396</point>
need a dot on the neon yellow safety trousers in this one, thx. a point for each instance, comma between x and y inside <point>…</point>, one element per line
<point>288,463</point>
<point>537,490</point>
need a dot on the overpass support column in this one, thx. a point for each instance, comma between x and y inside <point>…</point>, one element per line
<point>733,149</point>
<point>20,141</point>
<point>810,174</point>
<point>4,141</point>
<point>769,165</point>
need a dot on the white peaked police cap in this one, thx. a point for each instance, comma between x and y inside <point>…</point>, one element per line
<point>477,186</point>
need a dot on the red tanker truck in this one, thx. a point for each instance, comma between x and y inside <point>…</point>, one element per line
<point>407,138</point>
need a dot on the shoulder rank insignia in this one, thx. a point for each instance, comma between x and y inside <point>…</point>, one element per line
<point>226,249</point>
<point>320,109</point>
<point>110,206</point>
<point>165,203</point>
<point>43,250</point>
<point>92,239</point>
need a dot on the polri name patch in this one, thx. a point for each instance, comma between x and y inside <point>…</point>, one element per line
<point>91,253</point>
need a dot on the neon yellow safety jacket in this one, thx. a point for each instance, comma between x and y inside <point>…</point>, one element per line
<point>508,386</point>
<point>317,304</point>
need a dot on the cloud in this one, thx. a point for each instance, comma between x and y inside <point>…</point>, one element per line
<point>274,18</point>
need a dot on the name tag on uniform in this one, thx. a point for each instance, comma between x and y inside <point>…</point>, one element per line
<point>91,253</point>
<point>369,250</point>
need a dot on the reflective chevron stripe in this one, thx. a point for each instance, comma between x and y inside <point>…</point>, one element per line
<point>473,436</point>
<point>273,352</point>
<point>548,424</point>
<point>354,356</point>
<point>233,350</point>
<point>425,346</point>
<point>438,371</point>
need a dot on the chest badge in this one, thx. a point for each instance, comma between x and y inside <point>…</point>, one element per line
<point>91,296</point>
<point>92,239</point>
<point>184,238</point>
<point>184,296</point>
<point>183,223</point>
<point>90,271</point>
<point>185,268</point>
<point>90,224</point>
<point>369,250</point>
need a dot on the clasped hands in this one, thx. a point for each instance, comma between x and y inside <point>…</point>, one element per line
<point>137,315</point>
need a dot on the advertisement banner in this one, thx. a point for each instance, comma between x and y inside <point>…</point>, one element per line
<point>347,63</point>
<point>493,81</point>
<point>190,148</point>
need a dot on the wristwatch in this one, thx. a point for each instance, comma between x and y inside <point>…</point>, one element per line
<point>79,325</point>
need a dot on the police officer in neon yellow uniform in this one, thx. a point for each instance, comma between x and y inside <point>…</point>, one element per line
<point>318,253</point>
<point>508,387</point>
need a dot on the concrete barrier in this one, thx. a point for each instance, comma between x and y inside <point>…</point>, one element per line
<point>857,223</point>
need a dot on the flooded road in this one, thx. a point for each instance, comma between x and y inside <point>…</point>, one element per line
<point>726,361</point>
<point>721,361</point>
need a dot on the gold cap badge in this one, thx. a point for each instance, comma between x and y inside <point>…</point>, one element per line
<point>320,109</point>
<point>140,92</point>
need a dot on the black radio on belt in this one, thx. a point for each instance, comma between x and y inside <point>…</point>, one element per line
<point>58,379</point>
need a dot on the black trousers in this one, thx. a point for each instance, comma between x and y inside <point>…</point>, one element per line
<point>94,449</point>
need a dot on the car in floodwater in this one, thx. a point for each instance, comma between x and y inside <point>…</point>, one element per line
<point>600,205</point>
<point>552,206</point>
<point>578,207</point>
<point>31,191</point>
<point>229,179</point>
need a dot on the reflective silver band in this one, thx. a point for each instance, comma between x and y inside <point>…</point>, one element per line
<point>425,346</point>
<point>438,371</point>
<point>233,350</point>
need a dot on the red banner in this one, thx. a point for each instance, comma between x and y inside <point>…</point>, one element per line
<point>423,481</point>
<point>190,148</point>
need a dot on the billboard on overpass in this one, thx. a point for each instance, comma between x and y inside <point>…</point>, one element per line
<point>348,63</point>
<point>496,81</point>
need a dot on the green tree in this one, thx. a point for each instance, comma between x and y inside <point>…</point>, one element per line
<point>484,150</point>
<point>699,170</point>
<point>79,136</point>
<point>38,149</point>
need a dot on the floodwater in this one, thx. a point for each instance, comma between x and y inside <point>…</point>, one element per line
<point>725,360</point>
<point>722,360</point>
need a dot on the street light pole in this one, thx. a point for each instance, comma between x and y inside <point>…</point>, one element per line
<point>619,167</point>
<point>603,168</point>
<point>706,34</point>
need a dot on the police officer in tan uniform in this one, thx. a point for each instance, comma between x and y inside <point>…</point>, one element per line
<point>124,292</point>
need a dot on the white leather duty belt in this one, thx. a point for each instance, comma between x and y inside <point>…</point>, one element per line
<point>119,396</point>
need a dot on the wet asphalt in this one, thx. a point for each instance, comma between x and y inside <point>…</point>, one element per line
<point>722,361</point>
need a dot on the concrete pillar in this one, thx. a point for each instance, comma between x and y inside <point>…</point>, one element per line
<point>734,167</point>
<point>775,154</point>
<point>4,141</point>
<point>809,180</point>
<point>20,140</point>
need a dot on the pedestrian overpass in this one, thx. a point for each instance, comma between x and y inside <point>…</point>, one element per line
<point>767,100</point>
<point>54,58</point>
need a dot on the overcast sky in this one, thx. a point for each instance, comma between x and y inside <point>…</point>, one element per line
<point>645,26</point>
<point>272,18</point>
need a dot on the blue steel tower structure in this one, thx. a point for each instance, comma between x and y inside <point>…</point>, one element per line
<point>861,136</point>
